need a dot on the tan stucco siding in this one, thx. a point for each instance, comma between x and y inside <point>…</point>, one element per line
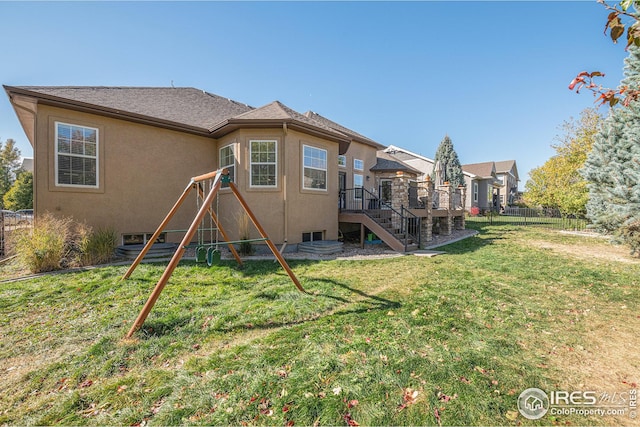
<point>142,172</point>
<point>286,210</point>
<point>367,154</point>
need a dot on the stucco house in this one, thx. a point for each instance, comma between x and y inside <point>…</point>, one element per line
<point>118,157</point>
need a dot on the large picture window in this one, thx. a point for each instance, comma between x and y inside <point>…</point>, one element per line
<point>315,168</point>
<point>263,163</point>
<point>76,155</point>
<point>227,160</point>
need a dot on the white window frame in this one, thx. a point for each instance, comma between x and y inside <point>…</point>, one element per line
<point>76,155</point>
<point>358,165</point>
<point>475,191</point>
<point>232,146</point>
<point>252,163</point>
<point>342,161</point>
<point>325,169</point>
<point>356,186</point>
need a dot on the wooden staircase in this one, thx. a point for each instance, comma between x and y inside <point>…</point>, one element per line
<point>383,228</point>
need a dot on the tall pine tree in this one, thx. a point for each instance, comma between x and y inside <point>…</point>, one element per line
<point>613,166</point>
<point>449,163</point>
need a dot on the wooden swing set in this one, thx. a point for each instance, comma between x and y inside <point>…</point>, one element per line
<point>218,177</point>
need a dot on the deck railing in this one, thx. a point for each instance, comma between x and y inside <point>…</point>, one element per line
<point>418,196</point>
<point>402,223</point>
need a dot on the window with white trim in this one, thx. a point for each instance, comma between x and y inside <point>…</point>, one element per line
<point>314,165</point>
<point>358,164</point>
<point>357,185</point>
<point>342,161</point>
<point>475,192</point>
<point>264,165</point>
<point>76,155</point>
<point>228,160</point>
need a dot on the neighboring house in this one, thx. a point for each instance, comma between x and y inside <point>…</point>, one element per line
<point>491,185</point>
<point>119,157</point>
<point>423,164</point>
<point>507,174</point>
<point>27,164</point>
<point>483,186</point>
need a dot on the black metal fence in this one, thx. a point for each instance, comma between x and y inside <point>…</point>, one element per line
<point>10,223</point>
<point>531,217</point>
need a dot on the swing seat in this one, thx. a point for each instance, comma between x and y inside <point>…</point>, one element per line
<point>201,254</point>
<point>213,256</point>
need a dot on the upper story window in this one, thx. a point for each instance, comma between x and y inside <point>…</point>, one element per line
<point>358,164</point>
<point>315,168</point>
<point>264,165</point>
<point>227,160</point>
<point>342,161</point>
<point>76,155</point>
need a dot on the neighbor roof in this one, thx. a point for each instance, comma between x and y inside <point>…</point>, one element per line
<point>388,163</point>
<point>483,170</point>
<point>507,166</point>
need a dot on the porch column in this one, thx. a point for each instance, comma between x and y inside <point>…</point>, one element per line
<point>426,228</point>
<point>463,199</point>
<point>451,206</point>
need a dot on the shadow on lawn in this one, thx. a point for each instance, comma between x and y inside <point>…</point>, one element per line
<point>361,302</point>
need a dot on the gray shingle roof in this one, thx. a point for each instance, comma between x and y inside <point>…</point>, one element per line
<point>187,106</point>
<point>482,170</point>
<point>386,162</point>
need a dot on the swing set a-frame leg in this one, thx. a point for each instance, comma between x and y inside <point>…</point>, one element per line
<point>263,233</point>
<point>161,227</point>
<point>206,207</point>
<point>175,259</point>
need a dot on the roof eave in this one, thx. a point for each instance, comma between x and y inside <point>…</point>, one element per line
<point>227,126</point>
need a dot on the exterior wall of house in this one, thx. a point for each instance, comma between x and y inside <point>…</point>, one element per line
<point>142,172</point>
<point>367,154</point>
<point>287,210</point>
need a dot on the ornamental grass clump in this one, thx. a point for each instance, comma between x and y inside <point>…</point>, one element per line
<point>95,247</point>
<point>44,247</point>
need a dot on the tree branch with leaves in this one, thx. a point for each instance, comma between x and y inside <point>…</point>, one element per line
<point>619,19</point>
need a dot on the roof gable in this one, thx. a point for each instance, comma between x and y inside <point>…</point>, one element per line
<point>483,170</point>
<point>507,166</point>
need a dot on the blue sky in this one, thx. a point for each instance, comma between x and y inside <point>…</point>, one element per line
<point>491,75</point>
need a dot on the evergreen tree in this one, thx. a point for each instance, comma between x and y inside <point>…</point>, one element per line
<point>449,163</point>
<point>613,166</point>
<point>20,195</point>
<point>9,165</point>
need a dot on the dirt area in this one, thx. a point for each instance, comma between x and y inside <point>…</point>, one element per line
<point>602,251</point>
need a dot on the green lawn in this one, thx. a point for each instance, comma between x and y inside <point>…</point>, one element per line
<point>450,340</point>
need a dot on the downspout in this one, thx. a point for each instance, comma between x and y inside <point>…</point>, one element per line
<point>284,186</point>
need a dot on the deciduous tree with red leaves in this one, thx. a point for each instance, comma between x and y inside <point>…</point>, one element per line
<point>620,17</point>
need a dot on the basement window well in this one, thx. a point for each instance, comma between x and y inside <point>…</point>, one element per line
<point>312,236</point>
